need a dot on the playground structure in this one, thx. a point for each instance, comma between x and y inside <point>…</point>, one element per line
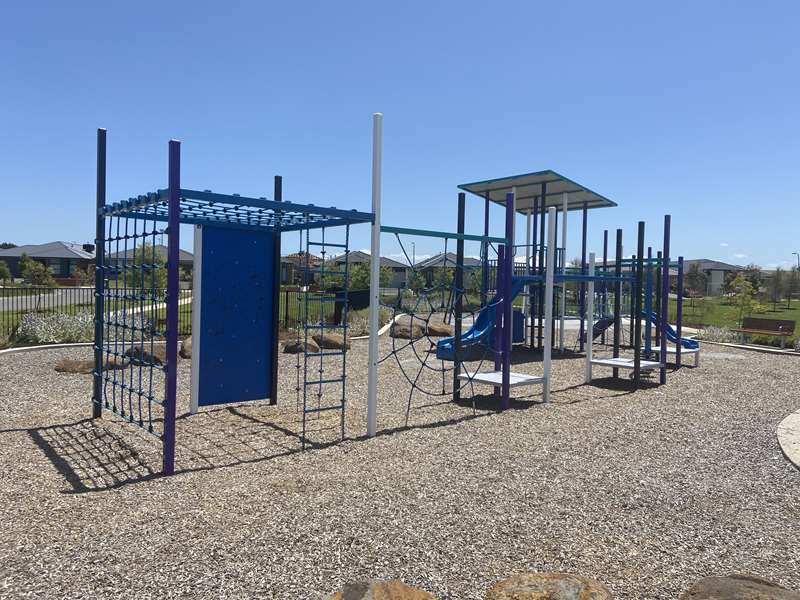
<point>236,283</point>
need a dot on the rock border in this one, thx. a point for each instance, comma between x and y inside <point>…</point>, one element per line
<point>788,433</point>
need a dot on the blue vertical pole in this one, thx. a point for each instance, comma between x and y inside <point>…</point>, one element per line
<point>99,275</point>
<point>497,334</point>
<point>507,301</point>
<point>173,258</point>
<point>582,303</point>
<point>665,300</point>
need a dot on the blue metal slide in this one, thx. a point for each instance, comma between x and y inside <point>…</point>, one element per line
<point>672,336</point>
<point>479,337</point>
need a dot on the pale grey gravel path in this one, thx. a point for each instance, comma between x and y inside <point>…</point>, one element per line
<point>645,491</point>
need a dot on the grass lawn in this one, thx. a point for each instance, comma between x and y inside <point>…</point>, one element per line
<point>720,312</point>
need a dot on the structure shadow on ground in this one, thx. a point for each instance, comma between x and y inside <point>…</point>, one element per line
<point>95,455</point>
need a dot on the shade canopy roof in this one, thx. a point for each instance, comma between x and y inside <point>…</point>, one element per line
<point>529,187</point>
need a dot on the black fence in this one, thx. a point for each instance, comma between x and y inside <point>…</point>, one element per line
<point>16,302</point>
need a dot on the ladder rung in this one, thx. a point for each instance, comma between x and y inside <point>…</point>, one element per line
<point>322,298</point>
<point>327,273</point>
<point>331,244</point>
<point>326,326</point>
<point>324,408</point>
<point>321,381</point>
<point>340,353</point>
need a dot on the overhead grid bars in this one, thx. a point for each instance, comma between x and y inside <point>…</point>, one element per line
<point>135,376</point>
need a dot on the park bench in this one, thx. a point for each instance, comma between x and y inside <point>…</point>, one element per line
<point>777,327</point>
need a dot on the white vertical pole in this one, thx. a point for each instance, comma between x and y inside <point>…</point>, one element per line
<point>374,276</point>
<point>589,319</point>
<point>548,299</point>
<point>564,209</point>
<point>526,299</point>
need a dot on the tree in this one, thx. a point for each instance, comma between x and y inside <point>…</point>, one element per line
<point>754,275</point>
<point>35,273</point>
<point>696,280</point>
<point>358,277</point>
<point>776,285</point>
<point>5,272</point>
<point>792,285</point>
<point>727,286</point>
<point>7,245</point>
<point>83,276</point>
<point>416,282</point>
<point>146,269</point>
<point>744,295</point>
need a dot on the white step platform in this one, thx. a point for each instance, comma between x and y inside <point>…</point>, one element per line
<point>495,378</point>
<point>684,352</point>
<point>625,363</point>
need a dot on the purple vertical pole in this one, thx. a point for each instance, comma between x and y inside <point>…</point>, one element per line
<point>532,288</point>
<point>582,303</point>
<point>173,257</point>
<point>679,312</point>
<point>498,312</point>
<point>665,301</point>
<point>507,302</point>
<point>485,249</point>
<point>605,285</point>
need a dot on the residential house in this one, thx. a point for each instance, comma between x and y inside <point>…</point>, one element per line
<point>398,269</point>
<point>185,258</point>
<point>61,258</point>
<point>715,272</point>
<point>293,268</point>
<point>429,267</point>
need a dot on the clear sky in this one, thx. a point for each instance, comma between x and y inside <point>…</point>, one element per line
<point>689,108</point>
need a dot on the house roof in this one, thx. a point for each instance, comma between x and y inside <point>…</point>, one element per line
<point>446,260</point>
<point>49,250</point>
<point>357,256</point>
<point>529,187</point>
<point>299,258</point>
<point>705,264</point>
<point>185,256</point>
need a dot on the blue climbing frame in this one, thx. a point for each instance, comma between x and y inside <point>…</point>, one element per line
<point>131,378</point>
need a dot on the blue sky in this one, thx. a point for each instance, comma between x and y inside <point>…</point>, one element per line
<point>681,107</point>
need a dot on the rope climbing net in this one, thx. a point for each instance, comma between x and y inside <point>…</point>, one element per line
<point>422,317</point>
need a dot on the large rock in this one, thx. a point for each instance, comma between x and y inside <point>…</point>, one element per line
<point>440,330</point>
<point>142,355</point>
<point>548,586</point>
<point>86,367</point>
<point>737,587</point>
<point>299,346</point>
<point>186,348</point>
<point>406,330</point>
<point>381,590</point>
<point>330,341</point>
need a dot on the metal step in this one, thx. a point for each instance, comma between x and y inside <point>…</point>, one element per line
<point>322,381</point>
<point>324,408</point>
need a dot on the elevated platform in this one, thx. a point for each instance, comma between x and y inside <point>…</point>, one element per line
<point>625,363</point>
<point>684,352</point>
<point>495,378</point>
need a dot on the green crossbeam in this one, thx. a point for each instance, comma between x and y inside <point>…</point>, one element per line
<point>443,234</point>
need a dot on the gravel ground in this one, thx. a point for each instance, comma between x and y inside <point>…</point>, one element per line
<point>645,491</point>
